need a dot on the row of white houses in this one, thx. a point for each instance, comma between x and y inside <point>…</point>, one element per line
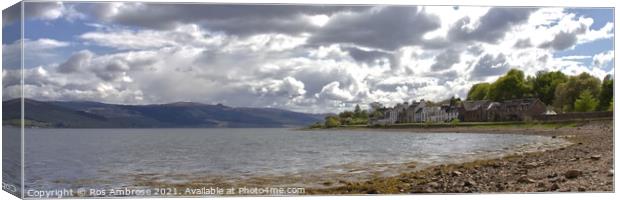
<point>417,112</point>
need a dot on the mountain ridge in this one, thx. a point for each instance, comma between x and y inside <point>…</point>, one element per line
<point>90,114</point>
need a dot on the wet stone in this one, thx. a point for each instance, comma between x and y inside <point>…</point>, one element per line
<point>525,179</point>
<point>531,165</point>
<point>456,173</point>
<point>469,183</point>
<point>433,184</point>
<point>554,187</point>
<point>571,174</point>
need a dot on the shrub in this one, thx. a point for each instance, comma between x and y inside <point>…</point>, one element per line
<point>316,125</point>
<point>331,122</point>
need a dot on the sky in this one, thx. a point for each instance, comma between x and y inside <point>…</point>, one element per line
<point>307,58</point>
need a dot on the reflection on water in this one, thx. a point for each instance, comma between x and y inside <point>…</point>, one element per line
<point>104,158</point>
<point>11,160</point>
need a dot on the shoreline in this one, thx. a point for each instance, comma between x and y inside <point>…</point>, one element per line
<point>586,165</point>
<point>545,170</point>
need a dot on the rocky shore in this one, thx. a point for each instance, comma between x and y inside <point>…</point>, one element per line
<point>584,166</point>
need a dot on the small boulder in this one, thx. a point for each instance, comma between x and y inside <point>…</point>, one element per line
<point>595,157</point>
<point>469,183</point>
<point>525,179</point>
<point>456,173</point>
<point>531,165</point>
<point>571,174</point>
<point>372,191</point>
<point>428,190</point>
<point>433,184</point>
<point>499,186</point>
<point>554,187</point>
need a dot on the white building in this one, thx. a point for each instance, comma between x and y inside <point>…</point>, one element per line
<point>435,114</point>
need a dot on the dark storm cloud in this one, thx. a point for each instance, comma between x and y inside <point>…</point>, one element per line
<point>565,39</point>
<point>492,26</point>
<point>76,62</point>
<point>41,9</point>
<point>446,59</point>
<point>523,43</point>
<point>386,28</point>
<point>561,41</point>
<point>475,50</point>
<point>233,19</point>
<point>315,80</point>
<point>368,56</point>
<point>489,65</point>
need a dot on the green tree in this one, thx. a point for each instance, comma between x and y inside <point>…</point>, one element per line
<point>567,93</point>
<point>316,125</point>
<point>346,114</point>
<point>611,105</point>
<point>586,102</point>
<point>357,113</point>
<point>378,114</point>
<point>510,86</point>
<point>607,93</point>
<point>545,83</point>
<point>364,115</point>
<point>332,121</point>
<point>454,101</point>
<point>478,91</point>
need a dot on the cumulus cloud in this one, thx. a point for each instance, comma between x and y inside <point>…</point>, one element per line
<point>561,41</point>
<point>232,19</point>
<point>332,91</point>
<point>76,62</point>
<point>601,60</point>
<point>523,43</point>
<point>37,51</point>
<point>299,57</point>
<point>446,59</point>
<point>289,86</point>
<point>44,10</point>
<point>386,28</point>
<point>572,30</point>
<point>41,11</point>
<point>489,65</point>
<point>491,27</point>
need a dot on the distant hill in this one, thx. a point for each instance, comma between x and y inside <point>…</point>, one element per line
<point>82,114</point>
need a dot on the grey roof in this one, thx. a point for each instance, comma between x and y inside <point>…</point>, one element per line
<point>474,105</point>
<point>519,101</point>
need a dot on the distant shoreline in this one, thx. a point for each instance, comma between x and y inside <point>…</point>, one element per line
<point>465,126</point>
